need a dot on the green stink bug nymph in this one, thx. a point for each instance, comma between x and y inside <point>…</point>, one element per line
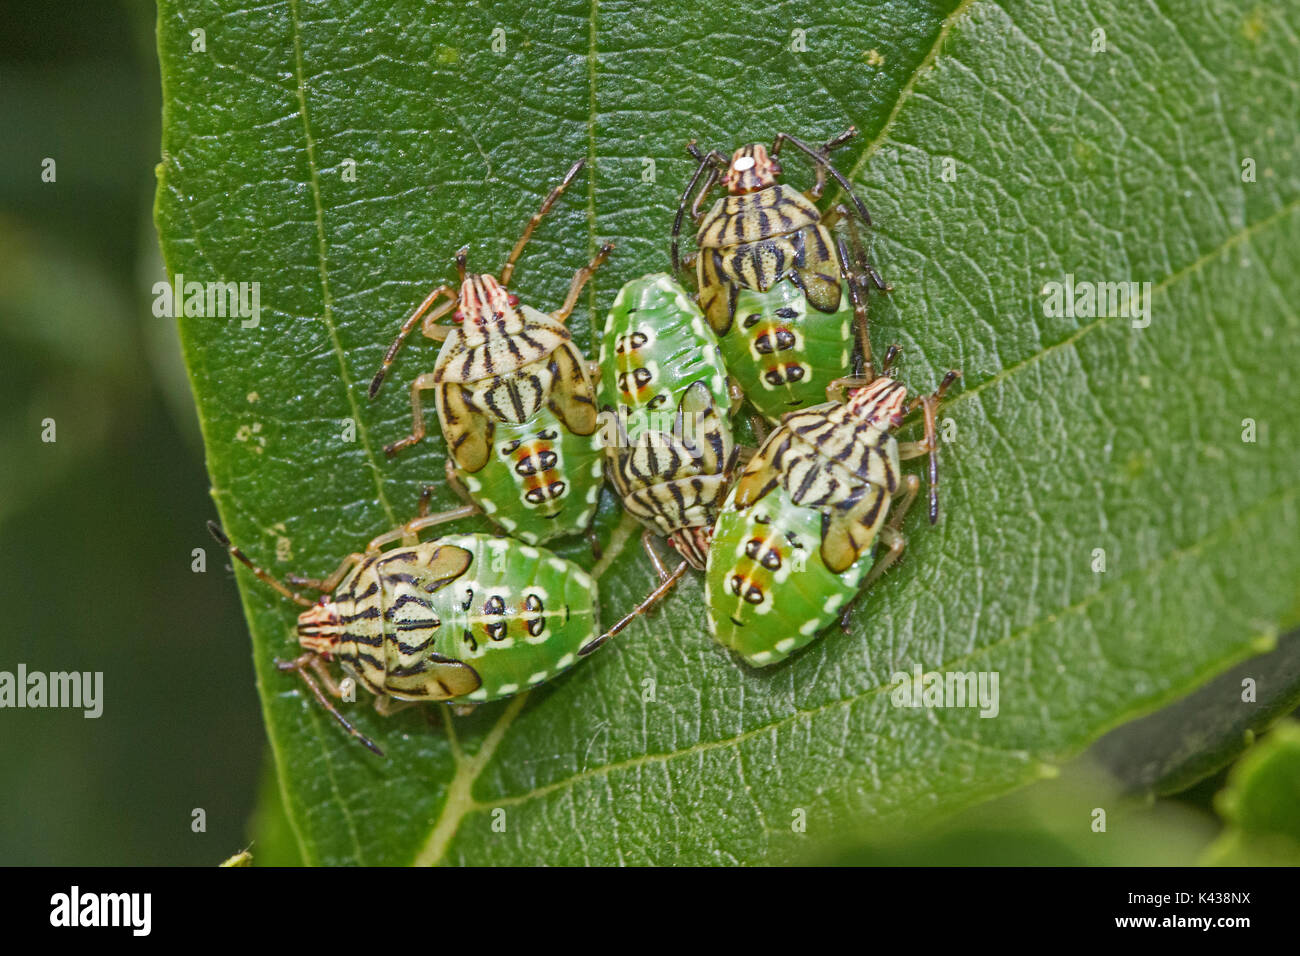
<point>514,396</point>
<point>465,618</point>
<point>796,538</point>
<point>786,296</point>
<point>665,405</point>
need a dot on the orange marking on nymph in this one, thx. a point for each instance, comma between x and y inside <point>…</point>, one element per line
<point>541,477</point>
<point>627,377</point>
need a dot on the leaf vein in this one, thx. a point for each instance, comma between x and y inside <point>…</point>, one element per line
<point>322,260</point>
<point>1191,268</point>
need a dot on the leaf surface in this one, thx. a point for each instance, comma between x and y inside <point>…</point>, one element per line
<point>998,152</point>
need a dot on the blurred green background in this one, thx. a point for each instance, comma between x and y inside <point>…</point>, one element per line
<point>98,529</point>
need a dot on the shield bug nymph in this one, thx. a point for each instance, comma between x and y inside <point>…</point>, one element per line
<point>514,396</point>
<point>665,414</point>
<point>795,541</point>
<point>783,284</point>
<point>464,618</point>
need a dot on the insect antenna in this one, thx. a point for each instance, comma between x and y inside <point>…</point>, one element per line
<point>292,595</point>
<point>705,160</point>
<point>296,666</point>
<point>555,194</point>
<point>822,159</point>
<point>927,404</point>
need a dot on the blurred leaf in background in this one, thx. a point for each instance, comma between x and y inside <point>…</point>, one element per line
<point>1111,539</point>
<point>98,527</point>
<point>1113,806</point>
<point>1260,804</point>
<point>1081,818</point>
<point>1189,743</point>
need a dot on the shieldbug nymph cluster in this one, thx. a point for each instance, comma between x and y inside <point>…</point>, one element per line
<point>770,310</point>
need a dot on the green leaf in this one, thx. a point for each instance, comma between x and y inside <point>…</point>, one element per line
<point>1178,746</point>
<point>273,840</point>
<point>1259,804</point>
<point>1052,822</point>
<point>1071,433</point>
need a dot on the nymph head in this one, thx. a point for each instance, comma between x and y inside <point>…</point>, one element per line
<point>752,168</point>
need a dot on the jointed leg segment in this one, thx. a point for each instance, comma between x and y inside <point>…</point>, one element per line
<point>930,444</point>
<point>580,279</point>
<point>299,666</point>
<point>892,538</point>
<point>650,601</point>
<point>410,531</point>
<point>421,383</point>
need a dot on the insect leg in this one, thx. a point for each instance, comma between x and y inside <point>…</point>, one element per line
<point>453,482</point>
<point>862,358</point>
<point>388,706</point>
<point>555,194</point>
<point>859,264</point>
<point>734,391</point>
<point>650,601</point>
<point>836,387</point>
<point>389,356</point>
<point>655,561</point>
<point>580,279</point>
<point>930,445</point>
<point>814,193</point>
<point>412,528</point>
<point>756,422</point>
<point>298,665</point>
<point>322,672</point>
<point>421,383</point>
<point>328,584</point>
<point>892,538</point>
